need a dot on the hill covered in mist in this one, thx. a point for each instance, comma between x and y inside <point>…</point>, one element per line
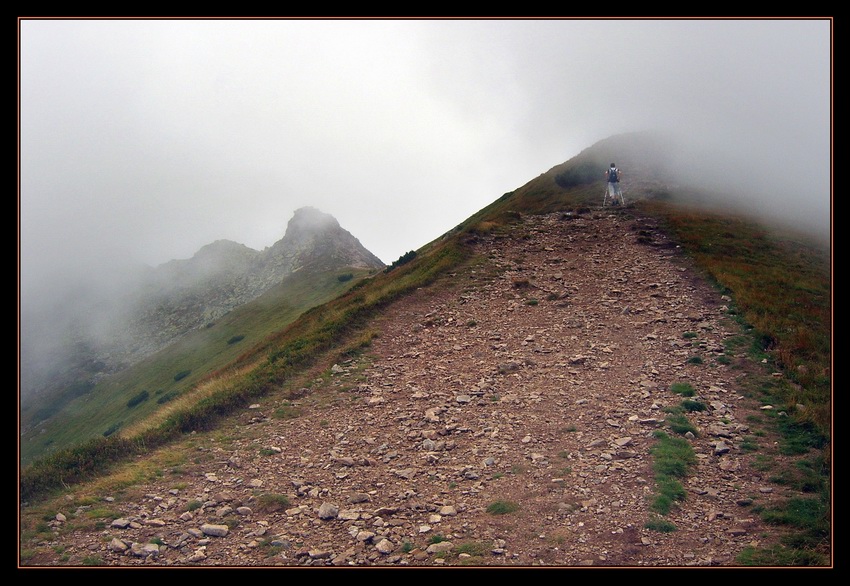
<point>102,326</point>
<point>608,375</point>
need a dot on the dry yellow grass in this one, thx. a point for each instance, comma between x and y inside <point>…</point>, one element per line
<point>223,382</point>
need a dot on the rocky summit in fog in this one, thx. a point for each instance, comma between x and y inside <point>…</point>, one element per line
<point>158,305</point>
<point>182,295</point>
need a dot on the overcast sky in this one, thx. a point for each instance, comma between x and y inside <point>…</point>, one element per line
<point>148,139</point>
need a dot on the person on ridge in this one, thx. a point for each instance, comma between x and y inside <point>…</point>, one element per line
<point>614,191</point>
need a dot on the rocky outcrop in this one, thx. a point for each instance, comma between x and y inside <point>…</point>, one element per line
<point>313,240</point>
<point>183,295</point>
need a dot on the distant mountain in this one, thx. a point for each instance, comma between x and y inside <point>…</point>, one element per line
<point>95,334</point>
<point>183,295</point>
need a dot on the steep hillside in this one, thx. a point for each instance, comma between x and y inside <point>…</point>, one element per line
<point>141,390</point>
<point>509,414</point>
<point>100,330</point>
<point>186,319</point>
<point>549,384</point>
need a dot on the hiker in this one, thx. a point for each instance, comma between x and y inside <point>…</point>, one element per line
<point>614,191</point>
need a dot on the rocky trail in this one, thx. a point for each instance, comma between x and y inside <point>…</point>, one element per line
<point>503,418</point>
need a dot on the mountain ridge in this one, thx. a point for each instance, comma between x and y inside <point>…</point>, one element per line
<point>533,382</point>
<point>180,296</point>
<point>493,401</point>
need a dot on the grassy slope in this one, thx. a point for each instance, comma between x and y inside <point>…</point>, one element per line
<point>105,407</point>
<point>782,286</point>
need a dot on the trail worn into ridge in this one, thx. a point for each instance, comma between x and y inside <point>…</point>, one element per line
<point>535,380</point>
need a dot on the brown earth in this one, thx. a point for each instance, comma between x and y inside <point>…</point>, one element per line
<point>535,378</point>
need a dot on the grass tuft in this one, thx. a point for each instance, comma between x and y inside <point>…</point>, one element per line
<point>672,460</point>
<point>680,424</point>
<point>684,389</point>
<point>502,507</point>
<point>689,405</point>
<point>660,525</point>
<point>272,502</point>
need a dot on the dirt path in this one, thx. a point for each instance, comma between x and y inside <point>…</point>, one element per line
<point>537,378</point>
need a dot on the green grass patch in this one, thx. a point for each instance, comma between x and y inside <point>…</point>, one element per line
<point>672,459</point>
<point>672,456</point>
<point>781,283</point>
<point>798,512</point>
<point>810,517</point>
<point>660,525</point>
<point>735,344</point>
<point>471,548</point>
<point>502,507</point>
<point>691,406</point>
<point>806,476</point>
<point>680,424</point>
<point>799,437</point>
<point>668,491</point>
<point>272,502</point>
<point>684,389</point>
<point>749,444</point>
<point>102,513</point>
<point>781,556</point>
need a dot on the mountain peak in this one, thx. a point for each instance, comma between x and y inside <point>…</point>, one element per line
<point>314,238</point>
<point>309,220</point>
<point>218,246</point>
<point>221,250</point>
